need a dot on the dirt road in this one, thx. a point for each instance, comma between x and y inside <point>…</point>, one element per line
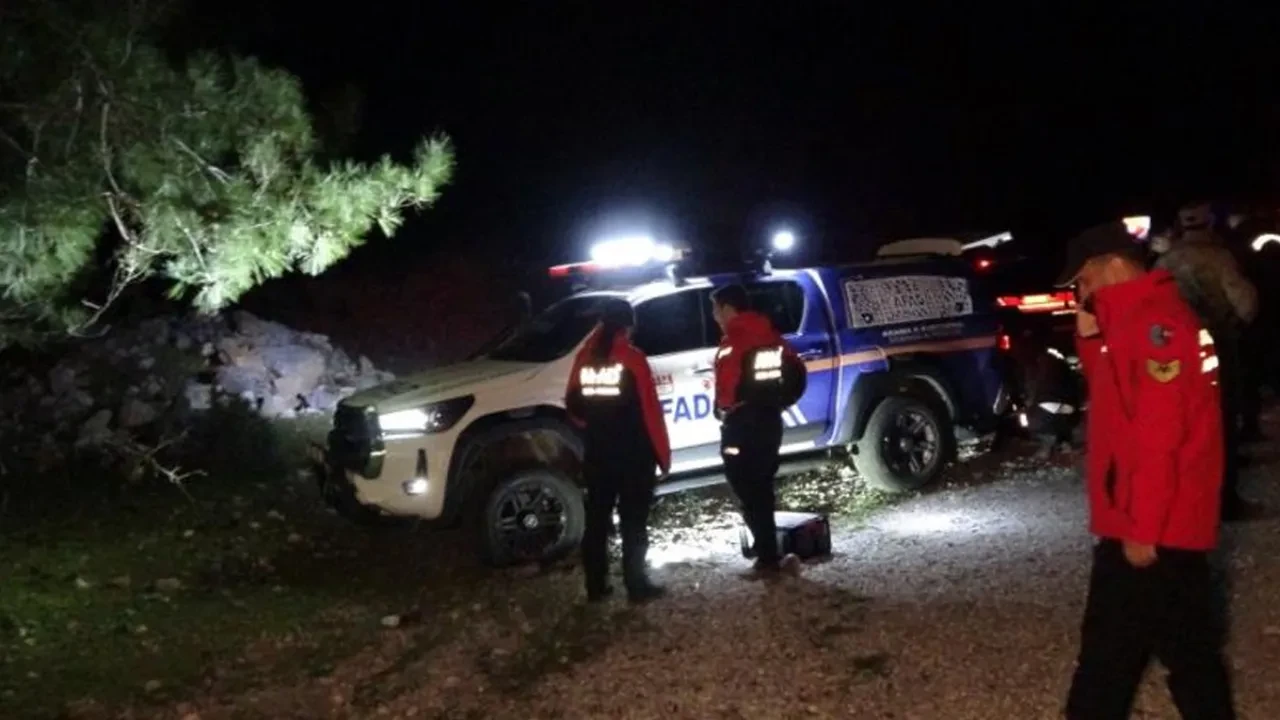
<point>960,604</point>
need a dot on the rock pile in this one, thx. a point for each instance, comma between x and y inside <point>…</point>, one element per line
<point>167,367</point>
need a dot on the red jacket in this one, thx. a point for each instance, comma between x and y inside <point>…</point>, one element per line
<point>636,365</point>
<point>747,331</point>
<point>1155,456</point>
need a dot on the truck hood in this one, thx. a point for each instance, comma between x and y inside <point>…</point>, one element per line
<point>443,383</point>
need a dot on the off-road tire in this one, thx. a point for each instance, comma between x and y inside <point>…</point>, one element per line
<point>876,460</point>
<point>496,516</point>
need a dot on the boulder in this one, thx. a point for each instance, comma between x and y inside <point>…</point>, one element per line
<point>135,413</point>
<point>297,369</point>
<point>240,379</point>
<point>63,379</point>
<point>199,396</point>
<point>96,430</point>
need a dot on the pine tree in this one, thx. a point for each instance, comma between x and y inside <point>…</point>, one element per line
<point>203,172</point>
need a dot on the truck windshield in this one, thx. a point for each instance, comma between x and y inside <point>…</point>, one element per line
<point>554,332</point>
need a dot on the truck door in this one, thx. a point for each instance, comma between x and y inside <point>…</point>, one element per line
<point>671,329</point>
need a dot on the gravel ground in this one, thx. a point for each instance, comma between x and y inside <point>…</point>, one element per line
<point>963,604</point>
<point>960,604</point>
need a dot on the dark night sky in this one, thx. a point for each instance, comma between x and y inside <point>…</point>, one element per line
<point>851,119</point>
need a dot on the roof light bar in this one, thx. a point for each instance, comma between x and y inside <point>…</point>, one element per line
<point>631,251</point>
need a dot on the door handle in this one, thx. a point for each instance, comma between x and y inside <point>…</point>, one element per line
<point>707,370</point>
<point>810,354</point>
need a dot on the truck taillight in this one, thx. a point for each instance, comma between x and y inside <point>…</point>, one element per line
<point>1006,342</point>
<point>1050,302</point>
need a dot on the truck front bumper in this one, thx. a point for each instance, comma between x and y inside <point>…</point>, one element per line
<point>410,481</point>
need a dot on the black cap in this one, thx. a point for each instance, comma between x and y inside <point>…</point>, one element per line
<point>1106,239</point>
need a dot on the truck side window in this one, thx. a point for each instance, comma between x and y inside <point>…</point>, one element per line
<point>782,302</point>
<point>671,323</point>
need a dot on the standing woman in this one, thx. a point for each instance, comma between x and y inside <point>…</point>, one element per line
<point>611,395</point>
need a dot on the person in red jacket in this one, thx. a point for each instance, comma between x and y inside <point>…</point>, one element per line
<point>611,395</point>
<point>1154,475</point>
<point>751,417</point>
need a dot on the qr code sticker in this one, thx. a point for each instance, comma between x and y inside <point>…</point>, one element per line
<point>877,302</point>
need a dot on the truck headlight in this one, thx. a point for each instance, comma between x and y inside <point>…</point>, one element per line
<point>434,418</point>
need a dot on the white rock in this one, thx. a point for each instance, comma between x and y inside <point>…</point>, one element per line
<point>62,379</point>
<point>96,430</point>
<point>168,584</point>
<point>135,413</point>
<point>198,395</point>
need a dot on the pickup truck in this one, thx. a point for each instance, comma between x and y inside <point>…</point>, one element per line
<point>902,356</point>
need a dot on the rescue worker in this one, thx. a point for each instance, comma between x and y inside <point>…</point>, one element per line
<point>1053,392</point>
<point>752,357</point>
<point>1154,473</point>
<point>1257,337</point>
<point>1226,303</point>
<point>612,396</point>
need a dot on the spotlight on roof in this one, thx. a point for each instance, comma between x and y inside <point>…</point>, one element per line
<point>783,240</point>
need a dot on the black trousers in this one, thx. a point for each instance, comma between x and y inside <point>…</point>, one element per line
<point>1230,376</point>
<point>1252,372</point>
<point>629,486</point>
<point>749,442</point>
<point>1166,611</point>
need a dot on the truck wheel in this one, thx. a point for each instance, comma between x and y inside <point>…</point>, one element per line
<point>533,516</point>
<point>906,444</point>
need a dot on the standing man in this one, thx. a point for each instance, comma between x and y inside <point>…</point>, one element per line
<point>1154,475</point>
<point>612,396</point>
<point>757,376</point>
<point>1226,303</point>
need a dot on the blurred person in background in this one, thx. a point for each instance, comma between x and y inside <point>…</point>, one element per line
<point>1260,337</point>
<point>1212,283</point>
<point>1052,391</point>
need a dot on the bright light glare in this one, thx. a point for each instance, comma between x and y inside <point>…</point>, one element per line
<point>404,421</point>
<point>629,251</point>
<point>1138,226</point>
<point>920,523</point>
<point>784,240</point>
<point>664,253</point>
<point>1262,240</point>
<point>672,553</point>
<point>417,486</point>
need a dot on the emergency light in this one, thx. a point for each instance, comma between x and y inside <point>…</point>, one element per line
<point>626,255</point>
<point>631,251</point>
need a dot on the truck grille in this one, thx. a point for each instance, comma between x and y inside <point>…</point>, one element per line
<point>355,443</point>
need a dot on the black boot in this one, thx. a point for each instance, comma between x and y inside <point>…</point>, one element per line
<point>1237,509</point>
<point>635,573</point>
